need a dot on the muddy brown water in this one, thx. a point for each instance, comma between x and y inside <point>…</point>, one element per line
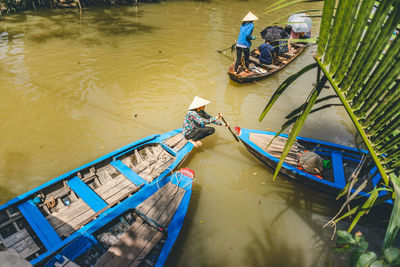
<point>74,88</point>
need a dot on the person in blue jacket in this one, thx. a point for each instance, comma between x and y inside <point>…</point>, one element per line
<point>267,52</point>
<point>244,40</point>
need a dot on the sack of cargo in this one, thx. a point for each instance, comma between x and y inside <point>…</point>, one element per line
<point>311,162</point>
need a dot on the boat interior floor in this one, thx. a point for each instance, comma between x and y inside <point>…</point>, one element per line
<point>142,236</point>
<point>69,204</point>
<point>276,148</point>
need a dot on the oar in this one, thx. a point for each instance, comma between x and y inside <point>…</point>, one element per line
<point>229,127</point>
<point>232,47</point>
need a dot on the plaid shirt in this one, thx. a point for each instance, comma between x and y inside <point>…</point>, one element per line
<point>194,119</point>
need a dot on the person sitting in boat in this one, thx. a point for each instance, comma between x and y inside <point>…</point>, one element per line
<point>243,42</point>
<point>194,128</point>
<point>288,31</point>
<point>283,45</point>
<point>267,53</point>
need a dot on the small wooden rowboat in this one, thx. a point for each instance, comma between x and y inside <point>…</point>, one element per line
<point>260,71</point>
<point>140,231</point>
<point>344,160</point>
<point>46,218</point>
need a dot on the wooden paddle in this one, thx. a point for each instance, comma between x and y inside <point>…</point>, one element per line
<point>232,47</point>
<point>229,127</point>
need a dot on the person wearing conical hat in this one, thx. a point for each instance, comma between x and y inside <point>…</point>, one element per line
<point>194,126</point>
<point>243,42</point>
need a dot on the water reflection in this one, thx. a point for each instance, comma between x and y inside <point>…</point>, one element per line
<point>94,27</point>
<point>268,250</point>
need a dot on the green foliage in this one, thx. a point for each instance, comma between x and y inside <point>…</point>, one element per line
<point>359,57</point>
<point>283,87</point>
<point>300,122</point>
<point>359,254</point>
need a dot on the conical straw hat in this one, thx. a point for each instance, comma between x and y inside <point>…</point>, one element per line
<point>250,17</point>
<point>198,102</point>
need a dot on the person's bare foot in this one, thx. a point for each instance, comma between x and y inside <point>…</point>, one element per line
<point>194,143</point>
<point>199,143</point>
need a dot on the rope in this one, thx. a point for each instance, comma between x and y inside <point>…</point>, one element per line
<point>50,203</point>
<point>155,161</point>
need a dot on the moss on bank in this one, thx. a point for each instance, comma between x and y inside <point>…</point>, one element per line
<point>13,6</point>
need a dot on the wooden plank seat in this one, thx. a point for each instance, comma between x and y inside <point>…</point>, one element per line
<point>127,172</point>
<point>43,229</point>
<point>141,237</point>
<point>152,164</point>
<point>338,171</point>
<point>176,142</point>
<point>181,144</point>
<point>95,202</point>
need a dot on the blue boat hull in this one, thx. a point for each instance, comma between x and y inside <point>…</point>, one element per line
<point>46,219</point>
<point>83,242</point>
<point>344,160</point>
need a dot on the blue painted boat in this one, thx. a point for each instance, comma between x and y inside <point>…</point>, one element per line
<point>344,160</point>
<point>49,217</point>
<point>140,231</point>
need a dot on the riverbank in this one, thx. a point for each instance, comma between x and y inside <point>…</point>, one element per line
<point>14,6</point>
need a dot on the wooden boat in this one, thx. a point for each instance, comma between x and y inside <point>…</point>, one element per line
<point>140,231</point>
<point>47,217</point>
<point>260,71</point>
<point>344,160</point>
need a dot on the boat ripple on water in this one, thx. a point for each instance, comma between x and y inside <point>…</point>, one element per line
<point>39,221</point>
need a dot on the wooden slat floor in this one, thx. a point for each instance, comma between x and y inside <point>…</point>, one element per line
<point>276,148</point>
<point>22,243</point>
<point>115,188</point>
<point>67,220</point>
<point>176,142</point>
<point>152,165</point>
<point>139,240</point>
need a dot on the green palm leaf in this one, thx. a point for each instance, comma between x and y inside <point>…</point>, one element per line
<point>283,87</point>
<point>300,122</point>
<point>297,110</point>
<point>394,222</point>
<point>359,57</point>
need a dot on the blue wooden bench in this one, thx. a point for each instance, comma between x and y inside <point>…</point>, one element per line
<point>338,172</point>
<point>46,233</point>
<point>128,173</point>
<point>90,197</point>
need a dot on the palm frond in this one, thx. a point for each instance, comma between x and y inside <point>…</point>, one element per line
<point>281,4</point>
<point>300,122</point>
<point>394,222</point>
<point>283,87</point>
<point>359,56</point>
<point>297,110</point>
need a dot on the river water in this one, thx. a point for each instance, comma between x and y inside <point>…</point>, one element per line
<point>75,87</point>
